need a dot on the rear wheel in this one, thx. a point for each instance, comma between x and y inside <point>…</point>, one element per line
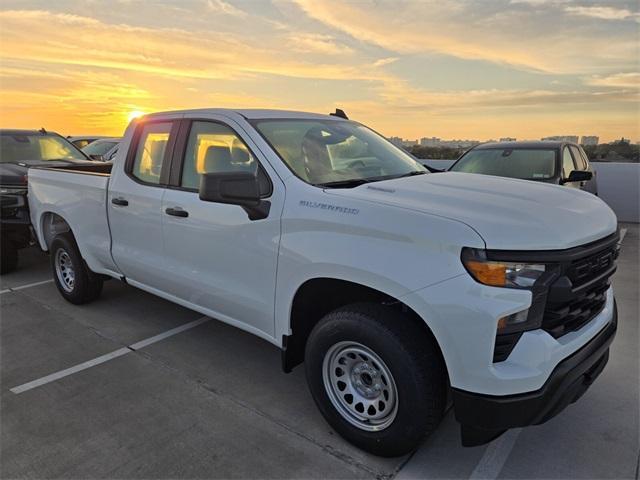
<point>9,257</point>
<point>377,377</point>
<point>75,282</point>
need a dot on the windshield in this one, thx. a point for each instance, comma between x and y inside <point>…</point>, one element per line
<point>514,163</point>
<point>336,153</point>
<point>99,147</point>
<point>38,147</point>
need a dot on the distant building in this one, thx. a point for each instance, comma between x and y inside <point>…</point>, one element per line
<point>397,141</point>
<point>430,142</point>
<point>562,138</point>
<point>589,140</point>
<point>433,142</point>
<point>508,139</point>
<point>459,143</point>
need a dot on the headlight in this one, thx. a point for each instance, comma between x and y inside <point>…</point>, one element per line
<point>499,273</point>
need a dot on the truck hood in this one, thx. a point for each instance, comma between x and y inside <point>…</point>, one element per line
<point>508,214</point>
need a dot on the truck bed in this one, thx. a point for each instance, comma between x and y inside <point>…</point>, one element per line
<point>76,194</point>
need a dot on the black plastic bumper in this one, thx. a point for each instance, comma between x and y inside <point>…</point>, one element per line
<point>485,417</point>
<point>15,224</point>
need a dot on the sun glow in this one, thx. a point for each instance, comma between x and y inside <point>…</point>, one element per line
<point>134,114</point>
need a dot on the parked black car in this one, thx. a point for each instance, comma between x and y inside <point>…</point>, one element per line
<point>20,150</point>
<point>562,163</point>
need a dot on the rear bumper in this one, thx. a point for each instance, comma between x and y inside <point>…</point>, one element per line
<point>484,417</point>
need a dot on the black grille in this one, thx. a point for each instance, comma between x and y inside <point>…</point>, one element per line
<point>570,294</point>
<point>580,294</point>
<point>504,345</point>
<point>587,269</point>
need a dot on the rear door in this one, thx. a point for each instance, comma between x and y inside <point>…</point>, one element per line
<point>220,260</point>
<point>134,203</point>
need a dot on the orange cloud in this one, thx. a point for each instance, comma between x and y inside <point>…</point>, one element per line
<point>78,75</point>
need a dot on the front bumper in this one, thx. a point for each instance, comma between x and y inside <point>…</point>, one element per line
<point>484,417</point>
<point>14,218</point>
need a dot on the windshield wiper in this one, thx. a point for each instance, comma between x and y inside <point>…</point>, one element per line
<point>412,174</point>
<point>354,182</point>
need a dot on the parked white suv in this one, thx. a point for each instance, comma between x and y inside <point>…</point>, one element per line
<point>393,285</point>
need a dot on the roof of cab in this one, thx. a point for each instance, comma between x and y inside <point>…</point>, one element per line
<point>538,145</point>
<point>15,131</point>
<point>253,113</point>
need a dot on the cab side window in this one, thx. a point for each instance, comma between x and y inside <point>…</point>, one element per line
<point>216,148</point>
<point>567,163</point>
<point>152,144</point>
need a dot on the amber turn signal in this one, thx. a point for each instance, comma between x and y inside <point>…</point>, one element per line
<point>489,273</point>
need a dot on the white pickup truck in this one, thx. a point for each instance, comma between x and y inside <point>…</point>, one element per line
<point>401,291</point>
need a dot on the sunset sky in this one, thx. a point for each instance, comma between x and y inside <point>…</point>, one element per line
<point>451,69</point>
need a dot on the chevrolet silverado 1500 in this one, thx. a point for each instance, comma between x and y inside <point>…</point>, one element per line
<point>397,288</point>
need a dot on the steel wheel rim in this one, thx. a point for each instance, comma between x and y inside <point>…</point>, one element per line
<point>360,386</point>
<point>64,270</point>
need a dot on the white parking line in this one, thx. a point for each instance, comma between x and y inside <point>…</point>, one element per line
<point>22,287</point>
<point>495,456</point>
<point>168,333</point>
<point>105,358</point>
<point>68,371</point>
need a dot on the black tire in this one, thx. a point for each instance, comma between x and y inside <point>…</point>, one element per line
<point>409,353</point>
<point>86,285</point>
<point>9,257</point>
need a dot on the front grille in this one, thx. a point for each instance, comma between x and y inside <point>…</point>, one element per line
<point>587,269</point>
<point>562,318</point>
<point>580,294</point>
<point>573,292</point>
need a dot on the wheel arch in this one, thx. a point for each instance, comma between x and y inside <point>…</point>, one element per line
<point>318,296</point>
<point>51,224</point>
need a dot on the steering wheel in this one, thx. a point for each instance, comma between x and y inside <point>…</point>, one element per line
<point>356,163</point>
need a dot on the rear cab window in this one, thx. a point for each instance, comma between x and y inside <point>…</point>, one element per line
<point>151,150</point>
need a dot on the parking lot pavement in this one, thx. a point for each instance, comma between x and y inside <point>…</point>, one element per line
<point>33,266</point>
<point>211,401</point>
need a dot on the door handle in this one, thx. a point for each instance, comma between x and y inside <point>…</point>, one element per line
<point>177,212</point>
<point>120,201</point>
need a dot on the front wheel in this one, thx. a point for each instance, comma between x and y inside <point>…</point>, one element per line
<point>75,282</point>
<point>377,377</point>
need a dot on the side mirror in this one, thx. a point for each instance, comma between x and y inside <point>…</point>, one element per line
<point>99,158</point>
<point>235,188</point>
<point>578,176</point>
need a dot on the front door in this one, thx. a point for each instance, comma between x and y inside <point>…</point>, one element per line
<point>219,260</point>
